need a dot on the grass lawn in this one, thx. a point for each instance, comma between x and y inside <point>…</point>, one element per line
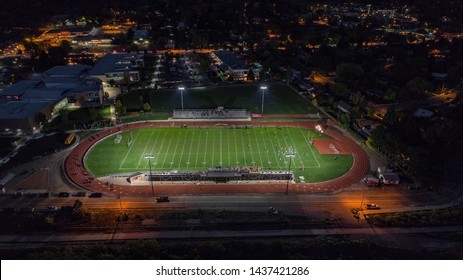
<point>201,148</point>
<point>278,99</point>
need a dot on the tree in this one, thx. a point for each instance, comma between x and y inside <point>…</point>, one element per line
<point>357,98</point>
<point>119,107</point>
<point>92,114</point>
<point>350,73</point>
<point>390,117</point>
<point>40,118</point>
<point>341,90</point>
<point>78,205</point>
<point>390,95</point>
<point>64,114</point>
<point>251,75</point>
<point>419,86</point>
<point>146,107</point>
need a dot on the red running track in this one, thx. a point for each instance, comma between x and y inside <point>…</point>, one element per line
<point>78,175</point>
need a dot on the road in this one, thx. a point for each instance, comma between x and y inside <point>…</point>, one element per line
<point>321,79</point>
<point>314,206</point>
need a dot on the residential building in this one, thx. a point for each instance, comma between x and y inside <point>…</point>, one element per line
<point>229,63</point>
<point>116,69</point>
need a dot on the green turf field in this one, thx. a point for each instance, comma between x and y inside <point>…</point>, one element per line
<point>278,99</point>
<point>201,148</point>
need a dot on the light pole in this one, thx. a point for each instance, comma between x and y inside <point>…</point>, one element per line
<point>319,129</point>
<point>181,94</point>
<point>263,88</point>
<point>149,157</point>
<point>290,153</point>
<point>361,202</point>
<point>120,202</point>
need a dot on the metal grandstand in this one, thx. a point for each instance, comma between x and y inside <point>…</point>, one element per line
<point>222,174</point>
<point>218,113</point>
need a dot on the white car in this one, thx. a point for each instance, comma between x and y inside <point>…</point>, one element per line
<point>372,206</point>
<point>53,208</point>
<point>38,136</point>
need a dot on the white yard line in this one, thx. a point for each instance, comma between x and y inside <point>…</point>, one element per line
<point>277,158</point>
<point>204,160</point>
<point>250,147</point>
<point>258,148</point>
<point>236,148</point>
<point>167,150</point>
<point>213,147</point>
<point>191,145</point>
<point>175,151</point>
<point>144,150</point>
<point>160,149</point>
<point>183,149</point>
<point>310,148</point>
<point>220,156</point>
<point>244,152</point>
<point>228,146</point>
<point>294,145</point>
<point>197,154</point>
<point>130,148</point>
<point>267,150</point>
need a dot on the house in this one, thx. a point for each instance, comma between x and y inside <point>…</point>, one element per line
<point>343,106</point>
<point>389,178</point>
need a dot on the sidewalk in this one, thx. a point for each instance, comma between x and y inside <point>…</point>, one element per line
<point>219,234</point>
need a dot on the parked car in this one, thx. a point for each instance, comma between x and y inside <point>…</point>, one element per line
<point>27,210</point>
<point>68,209</point>
<point>9,210</point>
<point>18,194</point>
<point>372,206</point>
<point>45,194</point>
<point>273,210</point>
<point>64,194</point>
<point>162,199</point>
<point>96,195</point>
<point>52,208</point>
<point>81,194</point>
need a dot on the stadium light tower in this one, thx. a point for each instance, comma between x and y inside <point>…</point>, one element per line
<point>290,153</point>
<point>263,88</point>
<point>181,94</point>
<point>149,157</point>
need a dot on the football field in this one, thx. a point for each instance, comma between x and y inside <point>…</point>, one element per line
<point>201,148</point>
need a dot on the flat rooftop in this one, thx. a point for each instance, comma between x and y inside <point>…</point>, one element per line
<point>74,70</point>
<point>114,62</point>
<point>17,110</point>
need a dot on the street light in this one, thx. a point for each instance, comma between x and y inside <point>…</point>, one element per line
<point>319,129</point>
<point>263,88</point>
<point>181,94</point>
<point>290,153</point>
<point>149,157</point>
<point>120,202</point>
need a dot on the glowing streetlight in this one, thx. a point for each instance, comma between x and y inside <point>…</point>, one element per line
<point>149,157</point>
<point>290,153</point>
<point>263,88</point>
<point>181,94</point>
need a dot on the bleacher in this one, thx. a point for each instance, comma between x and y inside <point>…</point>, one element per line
<point>219,113</point>
<point>222,175</point>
